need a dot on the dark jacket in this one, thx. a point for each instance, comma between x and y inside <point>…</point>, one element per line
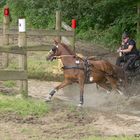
<point>134,49</point>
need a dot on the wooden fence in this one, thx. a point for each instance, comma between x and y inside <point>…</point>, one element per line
<point>22,48</point>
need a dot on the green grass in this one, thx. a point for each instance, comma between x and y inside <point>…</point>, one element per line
<point>112,138</point>
<point>22,106</point>
<point>9,84</point>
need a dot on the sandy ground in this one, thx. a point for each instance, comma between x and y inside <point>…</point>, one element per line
<point>102,115</point>
<point>121,107</point>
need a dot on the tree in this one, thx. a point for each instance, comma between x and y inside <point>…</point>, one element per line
<point>138,25</point>
<point>98,20</point>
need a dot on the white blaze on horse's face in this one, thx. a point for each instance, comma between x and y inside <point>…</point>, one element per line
<point>57,46</point>
<point>50,51</point>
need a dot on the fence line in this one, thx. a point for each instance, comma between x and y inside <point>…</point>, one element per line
<point>22,48</point>
<point>42,33</point>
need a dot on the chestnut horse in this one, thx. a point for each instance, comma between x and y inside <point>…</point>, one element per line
<point>82,70</point>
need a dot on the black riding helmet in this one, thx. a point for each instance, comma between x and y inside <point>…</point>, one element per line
<point>125,35</point>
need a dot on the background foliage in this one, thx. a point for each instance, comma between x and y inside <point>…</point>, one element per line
<point>100,21</point>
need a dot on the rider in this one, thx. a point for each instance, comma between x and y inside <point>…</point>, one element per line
<point>128,51</point>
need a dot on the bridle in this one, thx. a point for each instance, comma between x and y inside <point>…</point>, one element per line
<point>55,48</point>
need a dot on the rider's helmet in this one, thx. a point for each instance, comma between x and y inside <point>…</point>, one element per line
<point>125,35</point>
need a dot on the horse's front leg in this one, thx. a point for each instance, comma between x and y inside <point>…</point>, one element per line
<point>63,84</point>
<point>81,83</point>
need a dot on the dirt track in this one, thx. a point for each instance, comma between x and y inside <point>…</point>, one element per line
<point>117,114</point>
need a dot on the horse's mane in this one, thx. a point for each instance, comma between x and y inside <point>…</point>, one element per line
<point>67,48</point>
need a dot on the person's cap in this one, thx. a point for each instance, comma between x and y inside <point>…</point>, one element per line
<point>125,35</point>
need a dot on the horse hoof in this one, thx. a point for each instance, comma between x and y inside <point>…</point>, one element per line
<point>48,98</point>
<point>79,105</point>
<point>108,92</point>
<point>120,92</point>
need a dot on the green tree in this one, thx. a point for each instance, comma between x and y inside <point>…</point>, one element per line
<point>102,21</point>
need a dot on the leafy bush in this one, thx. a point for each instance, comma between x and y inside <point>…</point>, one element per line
<point>107,18</point>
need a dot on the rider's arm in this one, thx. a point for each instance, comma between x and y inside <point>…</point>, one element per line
<point>121,47</point>
<point>122,43</point>
<point>130,47</point>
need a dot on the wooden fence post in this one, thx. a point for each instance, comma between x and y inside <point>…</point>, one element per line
<point>138,24</point>
<point>73,40</point>
<point>58,22</point>
<point>22,42</point>
<point>74,29</point>
<point>6,23</point>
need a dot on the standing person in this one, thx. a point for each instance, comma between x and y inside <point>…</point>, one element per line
<point>128,51</point>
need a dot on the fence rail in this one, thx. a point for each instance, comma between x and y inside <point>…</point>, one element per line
<point>64,38</point>
<point>13,75</point>
<point>22,47</point>
<point>41,33</point>
<point>23,50</point>
<point>66,26</point>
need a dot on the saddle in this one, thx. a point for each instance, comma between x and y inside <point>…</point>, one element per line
<point>88,68</point>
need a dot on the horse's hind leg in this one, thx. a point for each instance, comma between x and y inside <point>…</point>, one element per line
<point>63,84</point>
<point>113,83</point>
<point>104,86</point>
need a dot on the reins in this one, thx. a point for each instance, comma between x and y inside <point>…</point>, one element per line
<point>76,56</point>
<point>61,56</point>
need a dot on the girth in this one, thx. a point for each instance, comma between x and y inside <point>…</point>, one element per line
<point>86,68</point>
<point>73,67</point>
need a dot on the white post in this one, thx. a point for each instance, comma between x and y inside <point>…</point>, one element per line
<point>21,25</point>
<point>22,42</point>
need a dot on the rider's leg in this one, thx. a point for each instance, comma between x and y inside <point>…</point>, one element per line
<point>119,60</point>
<point>129,61</point>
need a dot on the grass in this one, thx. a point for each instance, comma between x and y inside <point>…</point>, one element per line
<point>22,106</point>
<point>66,114</point>
<point>9,84</point>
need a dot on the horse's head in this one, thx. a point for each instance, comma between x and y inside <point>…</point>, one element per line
<point>59,49</point>
<point>55,51</point>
